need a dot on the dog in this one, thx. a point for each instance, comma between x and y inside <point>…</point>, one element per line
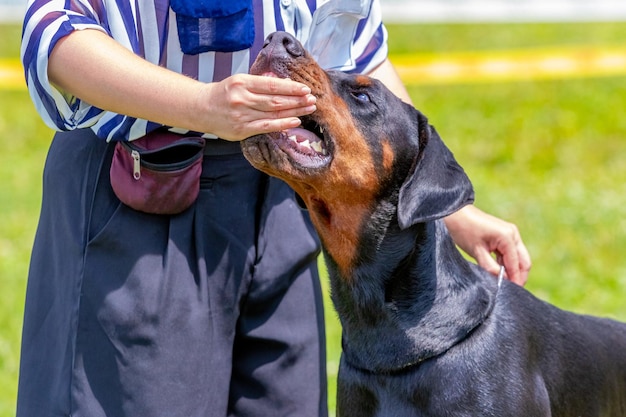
<point>425,332</point>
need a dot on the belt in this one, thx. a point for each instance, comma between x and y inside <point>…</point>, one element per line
<point>219,147</point>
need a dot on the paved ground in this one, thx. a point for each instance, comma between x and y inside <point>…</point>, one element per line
<point>477,67</point>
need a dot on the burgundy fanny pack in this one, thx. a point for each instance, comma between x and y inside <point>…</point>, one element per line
<point>158,173</point>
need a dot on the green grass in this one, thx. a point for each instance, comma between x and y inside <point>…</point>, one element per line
<point>10,48</point>
<point>442,38</point>
<point>546,155</point>
<point>24,140</point>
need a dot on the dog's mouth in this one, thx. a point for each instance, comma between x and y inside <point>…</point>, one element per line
<point>307,146</point>
<point>308,139</point>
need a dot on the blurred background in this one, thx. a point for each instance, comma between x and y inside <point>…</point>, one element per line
<point>530,95</point>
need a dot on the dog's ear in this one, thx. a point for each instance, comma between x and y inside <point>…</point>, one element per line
<point>437,185</point>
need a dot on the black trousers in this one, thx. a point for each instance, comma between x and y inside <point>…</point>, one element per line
<point>212,312</point>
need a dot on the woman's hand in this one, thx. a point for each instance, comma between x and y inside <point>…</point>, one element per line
<point>480,234</point>
<point>244,105</point>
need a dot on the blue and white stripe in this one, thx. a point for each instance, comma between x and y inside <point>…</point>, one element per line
<point>347,35</point>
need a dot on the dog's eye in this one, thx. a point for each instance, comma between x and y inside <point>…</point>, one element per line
<point>361,96</point>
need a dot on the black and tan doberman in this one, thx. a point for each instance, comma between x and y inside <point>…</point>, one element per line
<point>425,333</point>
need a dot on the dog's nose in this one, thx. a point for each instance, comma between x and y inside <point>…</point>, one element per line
<point>282,43</point>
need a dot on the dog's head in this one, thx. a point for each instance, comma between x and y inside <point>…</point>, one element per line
<point>361,146</point>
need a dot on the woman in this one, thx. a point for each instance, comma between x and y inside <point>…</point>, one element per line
<point>216,310</point>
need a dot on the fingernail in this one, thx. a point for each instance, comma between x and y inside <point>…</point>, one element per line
<point>311,99</point>
<point>306,90</point>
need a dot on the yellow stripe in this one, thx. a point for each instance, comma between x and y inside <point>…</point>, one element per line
<point>503,66</point>
<point>11,75</point>
<point>464,67</point>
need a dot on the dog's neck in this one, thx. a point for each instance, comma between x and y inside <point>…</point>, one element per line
<point>410,297</point>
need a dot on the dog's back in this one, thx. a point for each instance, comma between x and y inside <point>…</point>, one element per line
<point>581,359</point>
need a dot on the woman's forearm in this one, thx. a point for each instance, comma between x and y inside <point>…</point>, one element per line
<point>90,65</point>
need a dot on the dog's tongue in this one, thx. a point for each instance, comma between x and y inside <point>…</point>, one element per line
<point>305,139</point>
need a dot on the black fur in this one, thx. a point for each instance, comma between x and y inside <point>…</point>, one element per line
<point>425,332</point>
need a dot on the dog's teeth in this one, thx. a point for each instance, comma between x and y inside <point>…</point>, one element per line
<point>324,151</point>
<point>293,138</point>
<point>321,129</point>
<point>317,147</point>
<point>305,143</point>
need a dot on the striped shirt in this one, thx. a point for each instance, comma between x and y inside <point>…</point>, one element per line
<point>346,35</point>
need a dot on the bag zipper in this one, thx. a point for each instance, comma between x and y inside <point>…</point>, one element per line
<point>138,162</point>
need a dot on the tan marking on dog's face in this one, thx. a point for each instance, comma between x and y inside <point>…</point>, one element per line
<point>349,192</point>
<point>388,156</point>
<point>339,196</point>
<point>364,80</point>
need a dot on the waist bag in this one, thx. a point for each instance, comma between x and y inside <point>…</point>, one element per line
<point>158,173</point>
